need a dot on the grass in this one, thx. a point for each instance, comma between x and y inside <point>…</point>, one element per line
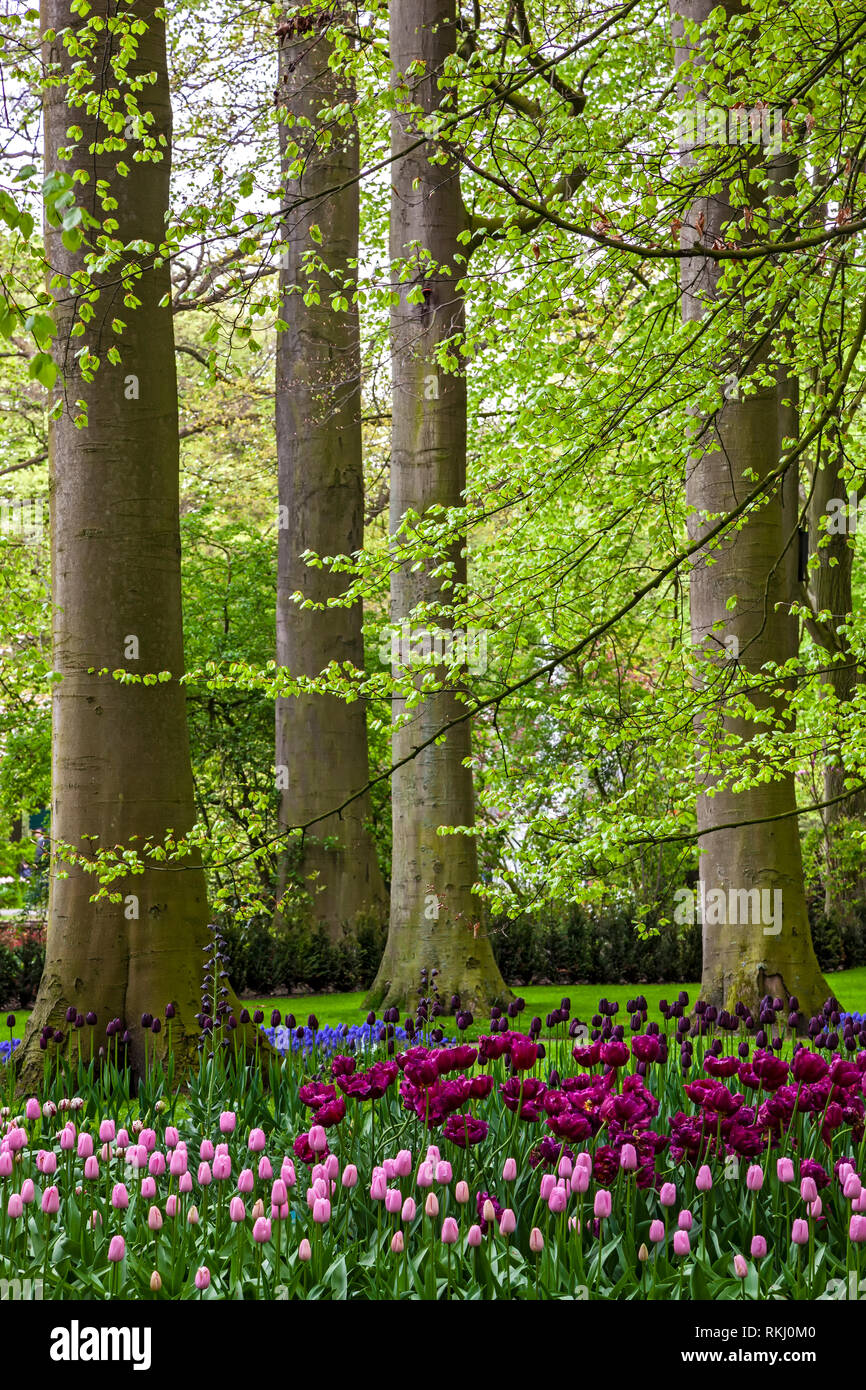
<point>848,985</point>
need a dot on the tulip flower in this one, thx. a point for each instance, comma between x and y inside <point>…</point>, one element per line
<point>33,1110</point>
<point>704,1179</point>
<point>28,1192</point>
<point>256,1141</point>
<point>758,1247</point>
<point>857,1229</point>
<point>431,1206</point>
<point>237,1210</point>
<point>155,1281</point>
<point>403,1163</point>
<point>509,1170</point>
<point>507,1223</point>
<point>228,1120</point>
<point>444,1172</point>
<point>741,1269</point>
<point>262,1230</point>
<point>602,1205</point>
<point>656,1231</point>
<point>305,1250</point>
<point>682,1245</point>
<point>15,1206</point>
<point>397,1243</point>
<point>557,1201</point>
<point>473,1236</point>
<point>321,1211</point>
<point>684,1220</point>
<point>192,1216</point>
<point>393,1200</point>
<point>580,1180</point>
<point>425,1175</point>
<point>50,1201</point>
<point>318,1139</point>
<point>628,1158</point>
<point>148,1188</point>
<point>755,1177</point>
<point>668,1194</point>
<point>536,1241</point>
<point>450,1231</point>
<point>350,1175</point>
<point>408,1210</point>
<point>154,1219</point>
<point>800,1232</point>
<point>202,1278</point>
<point>246,1180</point>
<point>116,1249</point>
<point>808,1190</point>
<point>784,1170</point>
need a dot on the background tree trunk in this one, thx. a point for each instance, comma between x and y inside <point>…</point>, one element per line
<point>321,741</point>
<point>743,960</point>
<point>434,915</point>
<point>121,766</point>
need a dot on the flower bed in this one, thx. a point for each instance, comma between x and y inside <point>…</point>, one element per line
<point>680,1158</point>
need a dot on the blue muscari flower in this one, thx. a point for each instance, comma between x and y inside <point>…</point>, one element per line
<point>7,1047</point>
<point>328,1039</point>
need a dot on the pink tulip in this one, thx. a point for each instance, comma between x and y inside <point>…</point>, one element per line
<point>16,1139</point>
<point>450,1232</point>
<point>246,1181</point>
<point>461,1193</point>
<point>704,1180</point>
<point>682,1245</point>
<point>557,1201</point>
<point>536,1241</point>
<point>85,1145</point>
<point>808,1190</point>
<point>91,1168</point>
<point>172,1138</point>
<point>119,1197</point>
<point>28,1192</point>
<point>800,1232</point>
<point>305,1250</point>
<point>15,1206</point>
<point>122,1140</point>
<point>262,1230</point>
<point>684,1220</point>
<point>147,1137</point>
<point>350,1176</point>
<point>228,1120</point>
<point>755,1177</point>
<point>202,1278</point>
<point>156,1164</point>
<point>393,1200</point>
<point>32,1109</point>
<point>185,1184</point>
<point>584,1160</point>
<point>287,1172</point>
<point>444,1172</point>
<point>431,1206</point>
<point>397,1243</point>
<point>204,1175</point>
<point>222,1167</point>
<point>332,1167</point>
<point>668,1194</point>
<point>433,1154</point>
<point>171,1205</point>
<point>378,1188</point>
<point>741,1269</point>
<point>50,1201</point>
<point>656,1232</point>
<point>177,1164</point>
<point>148,1188</point>
<point>389,1168</point>
<point>853,1187</point>
<point>758,1247</point>
<point>206,1151</point>
<point>154,1219</point>
<point>628,1158</point>
<point>256,1141</point>
<point>237,1210</point>
<point>473,1236</point>
<point>509,1170</point>
<point>5,1164</point>
<point>857,1229</point>
<point>116,1249</point>
<point>425,1175</point>
<point>403,1163</point>
<point>67,1139</point>
<point>49,1164</point>
<point>321,1211</point>
<point>279,1192</point>
<point>507,1223</point>
<point>548,1183</point>
<point>603,1204</point>
<point>580,1181</point>
<point>318,1139</point>
<point>816,1208</point>
<point>565,1167</point>
<point>409,1210</point>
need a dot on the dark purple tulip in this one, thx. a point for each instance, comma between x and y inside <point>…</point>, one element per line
<point>79,1020</point>
<point>259,1017</point>
<point>232,1023</point>
<point>70,1014</point>
<point>245,1016</point>
<point>371,1017</point>
<point>156,1026</point>
<point>169,1010</point>
<point>43,1044</point>
<point>146,1020</point>
<point>58,1036</point>
<point>275,1018</point>
<point>313,1023</point>
<point>290,1020</point>
<point>90,1019</point>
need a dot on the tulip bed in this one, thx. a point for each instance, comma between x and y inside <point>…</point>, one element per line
<point>699,1155</point>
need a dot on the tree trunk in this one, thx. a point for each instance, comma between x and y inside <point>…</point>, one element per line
<point>434,915</point>
<point>120,764</point>
<point>771,951</point>
<point>321,741</point>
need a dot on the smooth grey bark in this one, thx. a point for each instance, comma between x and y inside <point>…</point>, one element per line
<point>321,741</point>
<point>120,753</point>
<point>434,914</point>
<point>757,563</point>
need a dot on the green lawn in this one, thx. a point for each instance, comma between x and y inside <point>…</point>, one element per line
<point>848,985</point>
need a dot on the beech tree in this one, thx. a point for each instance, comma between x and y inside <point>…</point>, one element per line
<point>121,766</point>
<point>321,741</point>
